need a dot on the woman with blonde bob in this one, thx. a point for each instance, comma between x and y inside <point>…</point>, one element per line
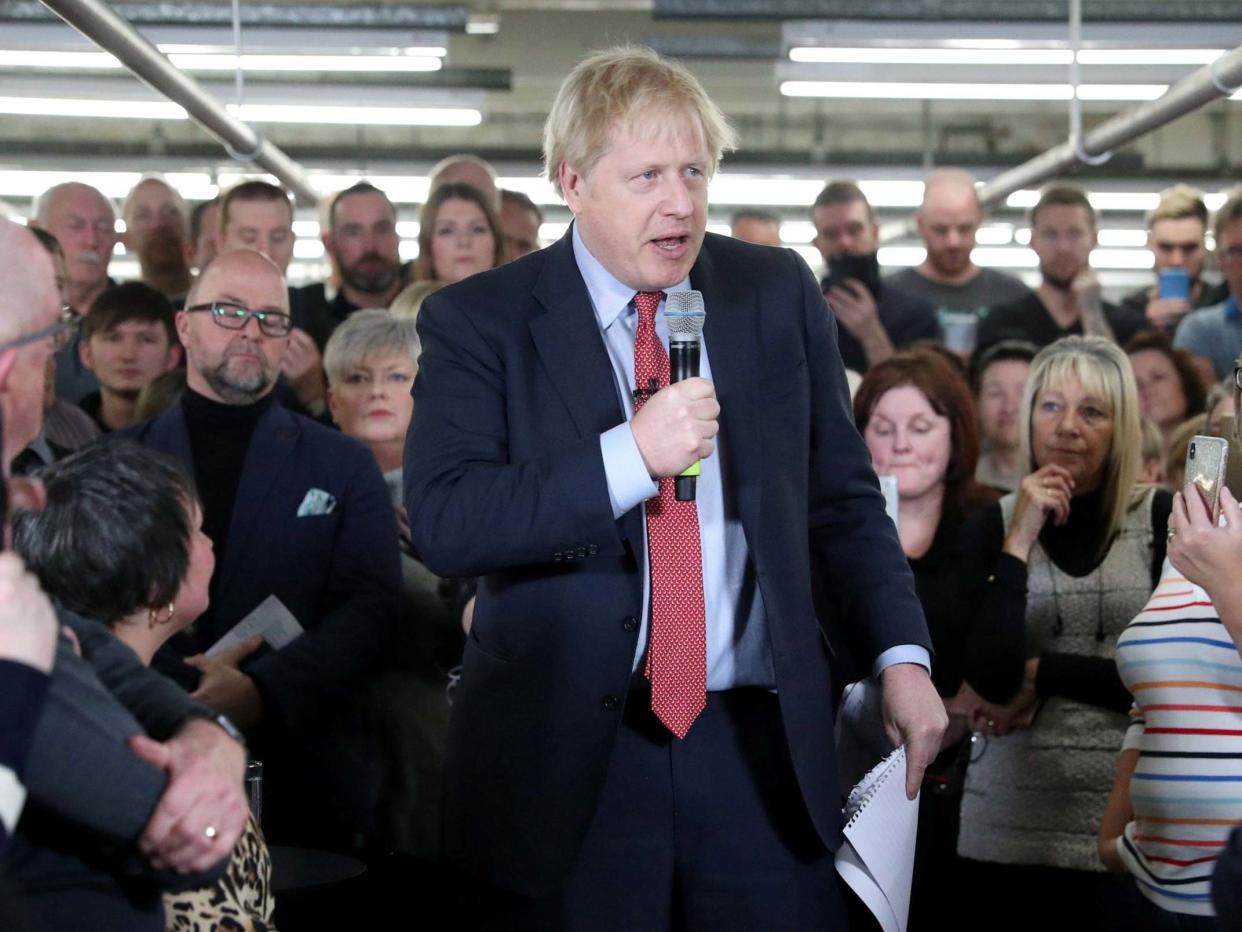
<point>1056,569</point>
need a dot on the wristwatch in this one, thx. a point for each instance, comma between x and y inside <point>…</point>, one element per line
<point>230,729</point>
<point>223,721</point>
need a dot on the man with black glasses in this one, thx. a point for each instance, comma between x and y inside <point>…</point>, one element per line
<point>297,511</point>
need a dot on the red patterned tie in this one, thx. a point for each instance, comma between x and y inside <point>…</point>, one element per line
<point>676,645</point>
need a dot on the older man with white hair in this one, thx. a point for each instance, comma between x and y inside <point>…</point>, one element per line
<point>84,224</point>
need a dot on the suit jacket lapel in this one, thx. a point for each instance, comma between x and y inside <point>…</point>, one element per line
<point>169,434</point>
<point>572,351</point>
<point>731,336</point>
<point>570,346</point>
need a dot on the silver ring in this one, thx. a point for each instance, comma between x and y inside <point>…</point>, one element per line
<point>210,832</point>
<point>991,724</point>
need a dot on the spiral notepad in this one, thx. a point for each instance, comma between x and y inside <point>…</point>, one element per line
<point>877,857</point>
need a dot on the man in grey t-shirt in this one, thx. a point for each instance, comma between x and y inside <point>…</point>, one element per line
<point>947,221</point>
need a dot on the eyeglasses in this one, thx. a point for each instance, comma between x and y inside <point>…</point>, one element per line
<point>235,317</point>
<point>61,332</point>
<point>1237,377</point>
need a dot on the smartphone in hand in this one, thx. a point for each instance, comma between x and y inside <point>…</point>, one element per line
<point>1207,460</point>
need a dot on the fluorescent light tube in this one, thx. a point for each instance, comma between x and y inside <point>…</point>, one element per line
<point>928,56</point>
<point>895,90</point>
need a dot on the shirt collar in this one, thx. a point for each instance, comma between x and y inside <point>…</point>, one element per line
<point>609,297</point>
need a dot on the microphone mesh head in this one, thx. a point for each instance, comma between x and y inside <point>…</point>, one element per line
<point>685,315</point>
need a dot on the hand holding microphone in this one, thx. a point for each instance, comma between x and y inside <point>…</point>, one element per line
<point>676,427</point>
<point>686,420</point>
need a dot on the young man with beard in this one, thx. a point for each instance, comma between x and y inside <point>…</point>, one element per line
<point>362,242</point>
<point>128,340</point>
<point>873,317</point>
<point>157,230</point>
<point>1063,233</point>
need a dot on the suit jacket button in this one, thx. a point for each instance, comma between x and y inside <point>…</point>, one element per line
<point>611,703</point>
<point>592,550</point>
<point>629,623</point>
<point>581,552</point>
<point>558,557</point>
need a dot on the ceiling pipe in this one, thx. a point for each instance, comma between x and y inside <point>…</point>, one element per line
<point>108,30</point>
<point>1211,82</point>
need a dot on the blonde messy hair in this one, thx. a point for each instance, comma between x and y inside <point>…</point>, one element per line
<point>1179,202</point>
<point>615,87</point>
<point>1104,371</point>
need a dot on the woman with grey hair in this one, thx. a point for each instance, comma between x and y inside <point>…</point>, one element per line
<point>371,360</point>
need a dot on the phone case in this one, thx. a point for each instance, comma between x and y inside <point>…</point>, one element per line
<point>1206,462</point>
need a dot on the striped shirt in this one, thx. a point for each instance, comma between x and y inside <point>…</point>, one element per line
<point>1185,674</point>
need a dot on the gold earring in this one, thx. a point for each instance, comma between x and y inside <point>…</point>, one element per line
<point>153,615</point>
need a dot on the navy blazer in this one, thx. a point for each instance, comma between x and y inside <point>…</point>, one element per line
<point>505,480</point>
<point>340,575</point>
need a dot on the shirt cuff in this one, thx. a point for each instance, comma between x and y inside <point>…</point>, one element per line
<point>629,483</point>
<point>902,653</point>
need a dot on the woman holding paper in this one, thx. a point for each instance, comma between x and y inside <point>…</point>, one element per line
<point>917,417</point>
<point>1054,573</point>
<point>121,540</point>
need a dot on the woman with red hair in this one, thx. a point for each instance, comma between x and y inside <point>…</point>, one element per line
<point>917,416</point>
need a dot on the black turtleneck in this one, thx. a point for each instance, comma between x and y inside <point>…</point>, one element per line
<point>219,438</point>
<point>996,587</point>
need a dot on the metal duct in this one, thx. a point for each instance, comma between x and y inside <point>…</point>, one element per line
<point>1122,11</point>
<point>99,23</point>
<point>1209,83</point>
<point>395,16</point>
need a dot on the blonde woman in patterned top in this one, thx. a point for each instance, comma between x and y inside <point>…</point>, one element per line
<point>1054,573</point>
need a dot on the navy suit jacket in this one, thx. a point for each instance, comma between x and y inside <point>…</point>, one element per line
<point>505,480</point>
<point>340,575</point>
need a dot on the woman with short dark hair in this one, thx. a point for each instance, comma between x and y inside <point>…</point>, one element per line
<point>121,540</point>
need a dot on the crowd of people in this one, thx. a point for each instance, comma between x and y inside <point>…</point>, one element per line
<point>263,561</point>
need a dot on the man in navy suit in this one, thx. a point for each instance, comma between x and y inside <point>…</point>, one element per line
<point>642,737</point>
<point>295,510</point>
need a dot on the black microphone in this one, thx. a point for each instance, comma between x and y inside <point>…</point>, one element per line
<point>685,316</point>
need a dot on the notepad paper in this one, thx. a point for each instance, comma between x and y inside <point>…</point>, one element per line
<point>271,620</point>
<point>877,856</point>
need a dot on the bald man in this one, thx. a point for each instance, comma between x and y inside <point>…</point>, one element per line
<point>157,231</point>
<point>948,220</point>
<point>466,169</point>
<point>295,510</point>
<point>112,821</point>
